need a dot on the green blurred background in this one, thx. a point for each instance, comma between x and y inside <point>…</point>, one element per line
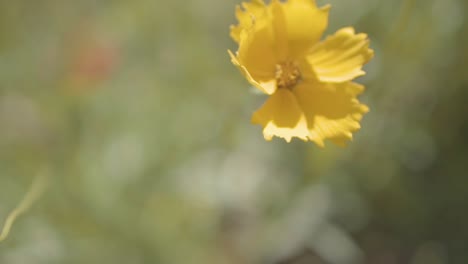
<point>140,124</point>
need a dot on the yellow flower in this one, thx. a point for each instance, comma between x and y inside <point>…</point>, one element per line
<point>309,83</point>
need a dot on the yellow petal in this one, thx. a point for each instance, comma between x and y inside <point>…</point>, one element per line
<point>332,110</point>
<point>257,50</point>
<point>301,23</point>
<point>246,15</point>
<point>281,116</point>
<point>340,57</point>
<point>268,87</point>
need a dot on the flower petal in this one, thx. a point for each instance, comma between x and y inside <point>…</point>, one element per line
<point>303,24</point>
<point>246,15</point>
<point>257,50</point>
<point>332,110</point>
<point>340,57</point>
<point>268,87</point>
<point>281,116</point>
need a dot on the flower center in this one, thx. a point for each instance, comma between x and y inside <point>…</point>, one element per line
<point>287,74</point>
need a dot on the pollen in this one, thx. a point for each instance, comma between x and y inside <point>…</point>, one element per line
<point>287,74</point>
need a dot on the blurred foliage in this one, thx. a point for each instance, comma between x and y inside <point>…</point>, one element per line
<point>142,125</point>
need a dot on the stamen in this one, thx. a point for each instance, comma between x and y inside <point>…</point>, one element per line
<point>287,74</point>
